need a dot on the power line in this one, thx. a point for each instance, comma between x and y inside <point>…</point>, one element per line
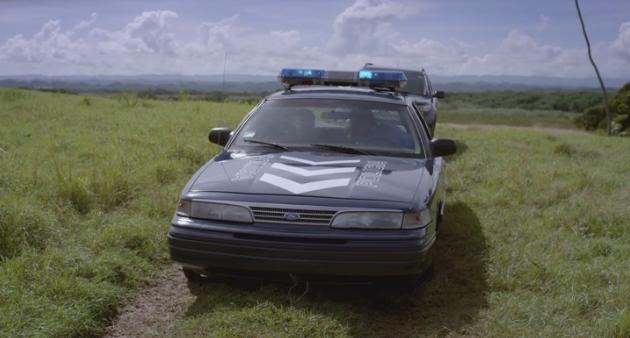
<point>599,77</point>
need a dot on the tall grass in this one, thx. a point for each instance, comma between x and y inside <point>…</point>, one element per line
<point>535,241</point>
<point>87,188</point>
<point>468,113</point>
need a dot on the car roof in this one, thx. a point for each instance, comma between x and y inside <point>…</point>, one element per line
<point>340,93</point>
<point>415,78</point>
<point>375,67</point>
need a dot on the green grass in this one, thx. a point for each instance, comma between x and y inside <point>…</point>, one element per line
<point>536,240</point>
<point>462,112</point>
<point>87,188</point>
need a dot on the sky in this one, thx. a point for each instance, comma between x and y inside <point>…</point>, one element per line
<point>446,37</point>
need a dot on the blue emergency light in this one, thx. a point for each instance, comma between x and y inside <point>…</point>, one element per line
<point>382,78</point>
<point>392,80</point>
<point>295,76</point>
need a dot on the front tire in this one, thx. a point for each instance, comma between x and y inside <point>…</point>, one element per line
<point>192,275</point>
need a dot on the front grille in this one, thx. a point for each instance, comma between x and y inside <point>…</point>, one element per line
<point>292,216</point>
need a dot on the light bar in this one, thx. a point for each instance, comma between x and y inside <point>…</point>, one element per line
<point>382,78</point>
<point>296,76</point>
<point>392,80</point>
<point>340,78</point>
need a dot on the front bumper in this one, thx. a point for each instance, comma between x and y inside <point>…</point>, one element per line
<point>311,250</point>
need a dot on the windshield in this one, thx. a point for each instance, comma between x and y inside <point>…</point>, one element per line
<point>331,125</point>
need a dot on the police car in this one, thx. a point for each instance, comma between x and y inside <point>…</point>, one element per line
<point>419,92</point>
<point>336,175</point>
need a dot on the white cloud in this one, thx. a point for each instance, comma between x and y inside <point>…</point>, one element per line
<point>154,42</point>
<point>218,34</point>
<point>520,46</point>
<point>49,43</point>
<point>621,45</point>
<point>543,23</point>
<point>366,26</point>
<point>520,54</point>
<point>84,24</point>
<point>146,33</point>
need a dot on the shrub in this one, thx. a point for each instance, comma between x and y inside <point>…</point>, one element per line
<point>565,149</point>
<point>22,226</point>
<point>183,95</point>
<point>128,100</point>
<point>111,187</point>
<point>73,191</point>
<point>11,95</point>
<point>86,101</point>
<point>592,118</point>
<point>595,117</point>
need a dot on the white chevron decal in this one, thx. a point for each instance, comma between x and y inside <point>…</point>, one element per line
<point>299,188</point>
<point>309,173</point>
<point>301,160</point>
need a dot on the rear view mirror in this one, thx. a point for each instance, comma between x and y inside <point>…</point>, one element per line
<point>219,136</point>
<point>439,94</point>
<point>443,147</point>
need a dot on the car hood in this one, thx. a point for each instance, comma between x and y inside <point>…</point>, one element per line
<point>314,174</point>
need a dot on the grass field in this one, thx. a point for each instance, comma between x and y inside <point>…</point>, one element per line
<point>536,241</point>
<point>467,113</point>
<point>87,188</point>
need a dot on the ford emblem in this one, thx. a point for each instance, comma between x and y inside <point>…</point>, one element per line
<point>291,216</point>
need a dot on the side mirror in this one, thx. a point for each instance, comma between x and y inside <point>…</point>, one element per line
<point>439,94</point>
<point>443,147</point>
<point>219,136</point>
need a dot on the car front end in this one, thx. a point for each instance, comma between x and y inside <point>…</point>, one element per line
<point>232,218</point>
<point>327,181</point>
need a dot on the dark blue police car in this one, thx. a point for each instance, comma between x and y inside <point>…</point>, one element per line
<point>336,175</point>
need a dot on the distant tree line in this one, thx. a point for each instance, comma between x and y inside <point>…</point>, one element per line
<point>575,102</point>
<point>215,96</point>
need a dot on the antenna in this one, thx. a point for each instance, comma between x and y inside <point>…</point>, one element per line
<point>223,95</point>
<point>224,66</point>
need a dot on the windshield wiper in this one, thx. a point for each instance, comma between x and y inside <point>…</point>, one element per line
<point>274,145</point>
<point>341,149</point>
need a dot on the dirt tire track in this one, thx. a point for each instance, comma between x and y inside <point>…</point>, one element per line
<point>153,312</point>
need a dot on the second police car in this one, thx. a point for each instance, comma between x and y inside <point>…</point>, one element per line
<point>335,175</point>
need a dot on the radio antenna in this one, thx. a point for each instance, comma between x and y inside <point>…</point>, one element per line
<point>224,67</point>
<point>223,95</point>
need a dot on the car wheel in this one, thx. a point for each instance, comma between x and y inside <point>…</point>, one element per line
<point>196,276</point>
<point>428,274</point>
<point>192,275</point>
<point>195,280</point>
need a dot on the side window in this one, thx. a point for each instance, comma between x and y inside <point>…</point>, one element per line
<point>425,127</point>
<point>422,85</point>
<point>429,87</point>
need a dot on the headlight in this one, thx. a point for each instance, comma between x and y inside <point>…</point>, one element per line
<point>368,220</point>
<point>183,208</point>
<point>215,211</point>
<point>413,220</point>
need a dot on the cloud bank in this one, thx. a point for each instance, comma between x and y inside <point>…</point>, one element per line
<point>363,32</point>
